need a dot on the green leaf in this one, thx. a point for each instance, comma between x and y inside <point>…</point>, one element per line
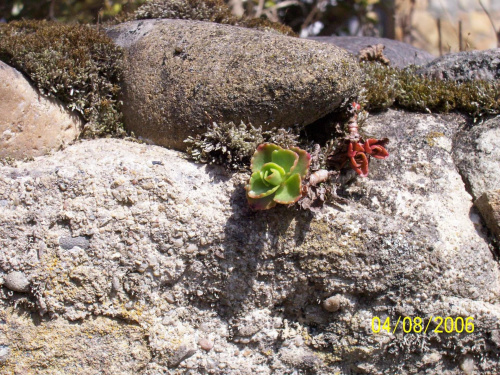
<point>257,188</point>
<point>262,203</point>
<point>290,191</point>
<point>272,174</point>
<point>303,163</point>
<point>263,155</point>
<point>285,158</point>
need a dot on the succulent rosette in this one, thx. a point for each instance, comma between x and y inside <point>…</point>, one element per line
<point>277,176</point>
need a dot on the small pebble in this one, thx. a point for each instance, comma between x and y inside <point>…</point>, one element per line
<point>191,248</point>
<point>178,242</point>
<point>4,353</point>
<point>332,304</point>
<point>169,297</point>
<point>206,344</point>
<point>17,282</point>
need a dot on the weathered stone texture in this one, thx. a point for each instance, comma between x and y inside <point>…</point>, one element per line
<point>173,247</point>
<point>37,346</point>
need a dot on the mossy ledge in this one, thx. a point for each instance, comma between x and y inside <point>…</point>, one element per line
<point>77,64</point>
<point>385,87</point>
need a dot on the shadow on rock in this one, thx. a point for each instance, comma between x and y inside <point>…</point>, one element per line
<point>251,240</point>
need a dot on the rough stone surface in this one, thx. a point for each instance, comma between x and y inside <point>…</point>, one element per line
<point>406,245</point>
<point>17,282</point>
<point>489,206</point>
<point>466,66</point>
<point>181,75</point>
<point>476,151</point>
<point>97,345</point>
<point>400,54</point>
<point>30,123</point>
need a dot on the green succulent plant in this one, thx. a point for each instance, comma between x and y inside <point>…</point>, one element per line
<point>277,176</point>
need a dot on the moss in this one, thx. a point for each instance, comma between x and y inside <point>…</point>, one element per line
<point>264,24</point>
<point>384,87</point>
<point>233,145</point>
<point>75,63</point>
<point>203,10</point>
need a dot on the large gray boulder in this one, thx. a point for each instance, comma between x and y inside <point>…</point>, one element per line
<point>465,66</point>
<point>399,54</point>
<point>172,247</point>
<point>181,75</point>
<point>31,124</point>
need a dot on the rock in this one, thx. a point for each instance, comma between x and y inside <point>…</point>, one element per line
<point>70,242</point>
<point>399,54</point>
<point>465,66</point>
<point>30,123</point>
<point>182,353</point>
<point>206,344</point>
<point>17,282</point>
<point>489,206</point>
<point>175,83</point>
<point>4,353</point>
<point>332,304</point>
<point>403,245</point>
<point>476,151</point>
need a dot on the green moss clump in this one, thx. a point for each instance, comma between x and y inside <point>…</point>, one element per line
<point>384,87</point>
<point>233,145</point>
<point>204,10</point>
<point>75,63</point>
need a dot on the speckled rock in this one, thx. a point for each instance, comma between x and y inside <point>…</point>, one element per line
<point>175,82</point>
<point>400,54</point>
<point>476,151</point>
<point>489,206</point>
<point>465,66</point>
<point>406,245</point>
<point>30,123</point>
